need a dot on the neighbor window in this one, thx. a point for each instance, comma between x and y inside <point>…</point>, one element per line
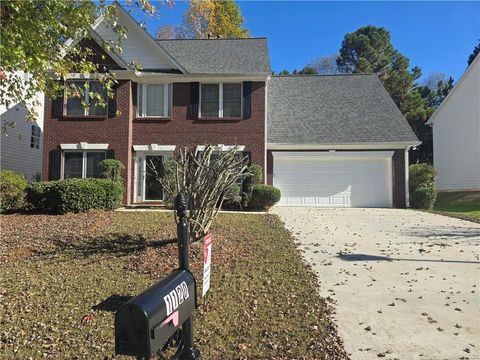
<point>154,100</point>
<point>221,100</point>
<point>35,138</point>
<point>86,93</point>
<point>82,164</point>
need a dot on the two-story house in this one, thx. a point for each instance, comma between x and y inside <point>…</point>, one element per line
<point>323,140</point>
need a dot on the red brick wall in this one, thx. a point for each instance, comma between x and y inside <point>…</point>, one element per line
<point>114,131</point>
<point>124,131</point>
<point>182,131</point>
<point>398,176</point>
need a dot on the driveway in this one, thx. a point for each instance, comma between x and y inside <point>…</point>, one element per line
<point>405,283</point>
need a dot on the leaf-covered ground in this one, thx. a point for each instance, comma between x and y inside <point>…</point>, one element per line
<point>460,204</point>
<point>56,271</point>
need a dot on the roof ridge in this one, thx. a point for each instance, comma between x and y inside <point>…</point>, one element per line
<point>319,75</point>
<point>251,38</point>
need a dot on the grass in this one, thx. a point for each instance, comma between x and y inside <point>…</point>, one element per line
<point>465,205</point>
<point>262,303</point>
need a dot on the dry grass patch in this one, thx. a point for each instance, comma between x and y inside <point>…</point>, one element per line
<point>262,303</point>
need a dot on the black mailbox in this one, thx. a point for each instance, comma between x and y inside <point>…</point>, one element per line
<point>146,322</point>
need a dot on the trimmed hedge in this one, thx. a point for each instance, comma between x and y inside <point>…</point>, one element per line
<point>75,195</point>
<point>112,169</point>
<point>422,186</point>
<point>264,196</point>
<point>12,187</point>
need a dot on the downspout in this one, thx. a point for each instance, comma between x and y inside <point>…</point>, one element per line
<point>265,168</point>
<point>407,193</point>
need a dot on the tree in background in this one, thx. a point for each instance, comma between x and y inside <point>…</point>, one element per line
<point>325,65</point>
<point>208,19</point>
<point>434,90</point>
<point>474,53</point>
<point>33,41</point>
<point>369,50</point>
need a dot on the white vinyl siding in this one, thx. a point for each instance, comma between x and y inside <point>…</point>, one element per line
<point>221,100</point>
<point>154,100</point>
<point>326,180</point>
<point>456,135</point>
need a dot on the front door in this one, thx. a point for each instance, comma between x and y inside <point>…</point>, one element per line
<point>153,170</point>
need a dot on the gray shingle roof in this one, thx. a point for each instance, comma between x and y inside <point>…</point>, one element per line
<point>333,109</point>
<point>220,56</point>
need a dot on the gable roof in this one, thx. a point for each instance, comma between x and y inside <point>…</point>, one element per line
<point>333,109</point>
<point>220,56</point>
<point>468,71</point>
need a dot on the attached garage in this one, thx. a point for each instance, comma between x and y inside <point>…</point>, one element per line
<point>334,179</point>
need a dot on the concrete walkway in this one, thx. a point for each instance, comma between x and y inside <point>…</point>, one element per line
<point>405,283</point>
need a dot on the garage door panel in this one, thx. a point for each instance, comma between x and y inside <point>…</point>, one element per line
<point>333,182</point>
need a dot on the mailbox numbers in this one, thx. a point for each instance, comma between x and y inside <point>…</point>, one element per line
<point>176,297</point>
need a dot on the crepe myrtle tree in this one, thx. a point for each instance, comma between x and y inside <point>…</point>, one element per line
<point>206,178</point>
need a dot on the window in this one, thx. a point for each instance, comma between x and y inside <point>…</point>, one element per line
<point>154,100</point>
<point>35,138</point>
<point>85,93</point>
<point>82,164</point>
<point>221,100</point>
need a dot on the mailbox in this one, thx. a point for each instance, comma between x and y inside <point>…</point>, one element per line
<point>145,323</point>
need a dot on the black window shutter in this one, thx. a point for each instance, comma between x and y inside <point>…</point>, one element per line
<point>110,154</point>
<point>112,102</point>
<point>194,99</point>
<point>54,159</point>
<point>247,99</point>
<point>58,104</point>
<point>248,155</point>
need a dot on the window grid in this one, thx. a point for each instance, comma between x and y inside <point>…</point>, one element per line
<point>143,96</point>
<point>73,105</point>
<point>35,138</point>
<point>227,106</point>
<point>82,164</point>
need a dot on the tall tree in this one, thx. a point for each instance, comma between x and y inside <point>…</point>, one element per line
<point>369,50</point>
<point>33,41</point>
<point>208,19</point>
<point>473,55</point>
<point>325,65</point>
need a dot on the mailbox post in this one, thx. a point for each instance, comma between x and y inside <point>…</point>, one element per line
<point>149,321</point>
<point>189,352</point>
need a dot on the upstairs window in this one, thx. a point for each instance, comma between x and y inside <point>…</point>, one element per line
<point>82,164</point>
<point>83,101</point>
<point>221,100</point>
<point>35,138</point>
<point>153,100</point>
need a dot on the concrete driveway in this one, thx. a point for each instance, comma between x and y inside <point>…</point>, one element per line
<point>405,283</point>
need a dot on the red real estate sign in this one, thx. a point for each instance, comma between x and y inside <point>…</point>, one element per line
<point>207,259</point>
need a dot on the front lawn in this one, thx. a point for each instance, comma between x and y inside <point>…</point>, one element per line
<point>465,204</point>
<point>59,270</point>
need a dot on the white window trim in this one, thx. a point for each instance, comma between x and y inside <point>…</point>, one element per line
<point>84,146</point>
<point>86,111</point>
<point>167,100</point>
<point>220,97</point>
<point>84,160</point>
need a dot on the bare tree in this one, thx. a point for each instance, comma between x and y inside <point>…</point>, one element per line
<point>206,179</point>
<point>325,65</point>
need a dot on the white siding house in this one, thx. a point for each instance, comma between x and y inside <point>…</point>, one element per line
<point>21,141</point>
<point>456,134</point>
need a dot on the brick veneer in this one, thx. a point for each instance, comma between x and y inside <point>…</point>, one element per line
<point>124,131</point>
<point>398,176</point>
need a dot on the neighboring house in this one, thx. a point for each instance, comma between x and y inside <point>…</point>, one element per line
<point>21,141</point>
<point>323,140</point>
<point>456,134</point>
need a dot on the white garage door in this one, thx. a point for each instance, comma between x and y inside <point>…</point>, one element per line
<point>334,179</point>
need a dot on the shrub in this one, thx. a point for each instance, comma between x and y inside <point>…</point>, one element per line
<point>254,178</point>
<point>422,186</point>
<point>75,195</point>
<point>112,169</point>
<point>12,186</point>
<point>264,196</point>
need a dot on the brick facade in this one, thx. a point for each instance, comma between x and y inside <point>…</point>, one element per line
<point>124,131</point>
<point>398,176</point>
